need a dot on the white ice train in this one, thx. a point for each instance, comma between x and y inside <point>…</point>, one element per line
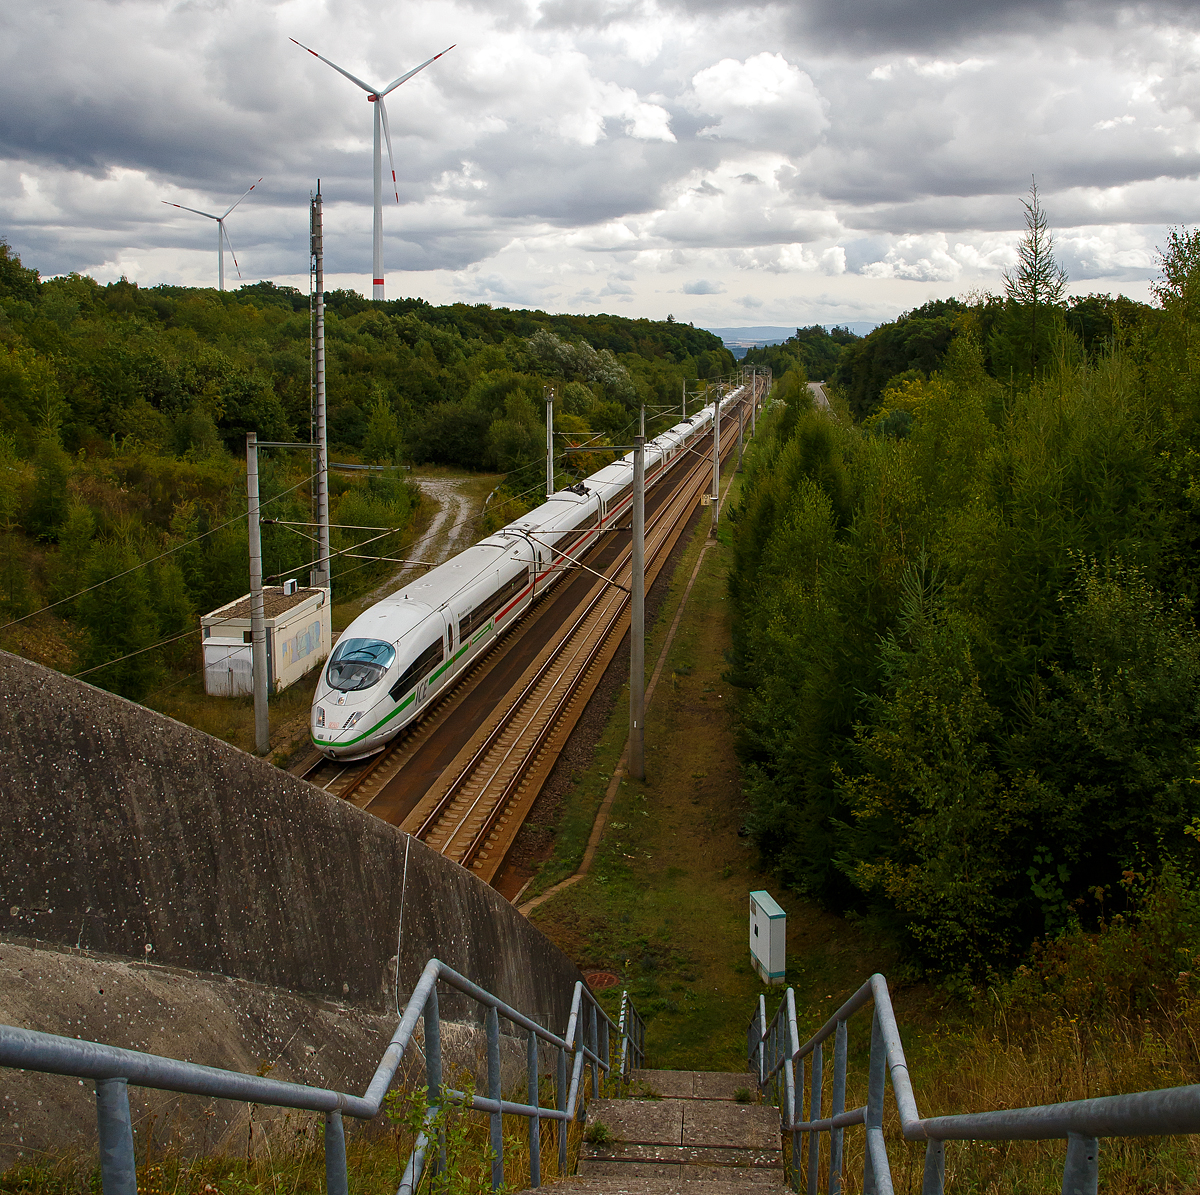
<point>395,656</point>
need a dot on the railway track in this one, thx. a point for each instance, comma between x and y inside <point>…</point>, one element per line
<point>472,814</point>
<point>473,804</point>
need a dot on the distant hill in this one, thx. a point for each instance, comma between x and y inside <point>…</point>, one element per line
<point>739,340</point>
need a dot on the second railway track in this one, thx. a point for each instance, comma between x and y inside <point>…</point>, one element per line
<point>471,798</point>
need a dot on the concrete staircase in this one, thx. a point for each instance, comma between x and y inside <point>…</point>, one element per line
<point>682,1131</point>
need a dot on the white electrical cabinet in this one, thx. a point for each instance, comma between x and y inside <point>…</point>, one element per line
<point>298,638</point>
<point>768,937</point>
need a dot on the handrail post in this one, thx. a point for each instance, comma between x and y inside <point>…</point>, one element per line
<point>837,1106</point>
<point>792,1107</point>
<point>433,1070</point>
<point>1081,1174</point>
<point>535,1122</point>
<point>762,1033</point>
<point>934,1181</point>
<point>594,1044</point>
<point>603,1051</point>
<point>877,1180</point>
<point>492,1022</point>
<point>561,1101</point>
<point>118,1164</point>
<point>796,1078</point>
<point>814,1113</point>
<point>623,1030</point>
<point>336,1179</point>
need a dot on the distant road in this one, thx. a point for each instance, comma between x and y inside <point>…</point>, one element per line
<point>820,397</point>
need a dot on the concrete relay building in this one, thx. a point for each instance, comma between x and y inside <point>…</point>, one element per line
<point>299,636</point>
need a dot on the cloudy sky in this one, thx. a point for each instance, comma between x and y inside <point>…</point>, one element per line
<point>732,164</point>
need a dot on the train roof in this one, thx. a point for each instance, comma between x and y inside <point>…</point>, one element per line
<point>610,474</point>
<point>390,619</point>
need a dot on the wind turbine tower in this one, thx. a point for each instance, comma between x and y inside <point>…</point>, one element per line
<point>222,235</point>
<point>375,96</point>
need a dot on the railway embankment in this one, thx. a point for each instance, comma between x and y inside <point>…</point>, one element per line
<point>163,890</point>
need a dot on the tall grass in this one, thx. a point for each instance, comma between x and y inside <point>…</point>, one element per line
<point>376,1156</point>
<point>1093,1012</point>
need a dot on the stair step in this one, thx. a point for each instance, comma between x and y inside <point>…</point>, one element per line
<point>644,1184</point>
<point>692,1137</point>
<point>694,1085</point>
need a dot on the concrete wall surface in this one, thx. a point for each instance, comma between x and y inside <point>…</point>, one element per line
<point>209,1019</point>
<point>127,833</point>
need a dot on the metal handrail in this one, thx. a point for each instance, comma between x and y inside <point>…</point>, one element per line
<point>774,1050</point>
<point>633,1037</point>
<point>114,1069</point>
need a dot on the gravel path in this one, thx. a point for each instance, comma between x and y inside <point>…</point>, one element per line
<point>452,529</point>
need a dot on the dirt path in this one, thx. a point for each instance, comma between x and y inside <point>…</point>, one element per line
<point>453,528</point>
<point>454,525</point>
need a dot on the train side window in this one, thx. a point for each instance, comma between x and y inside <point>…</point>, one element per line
<point>474,619</point>
<point>420,667</point>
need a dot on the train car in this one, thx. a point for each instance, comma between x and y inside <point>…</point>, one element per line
<point>395,657</point>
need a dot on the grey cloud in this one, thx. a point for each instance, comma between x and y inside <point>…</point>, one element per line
<point>702,287</point>
<point>207,98</point>
<point>869,26</point>
<point>586,14</point>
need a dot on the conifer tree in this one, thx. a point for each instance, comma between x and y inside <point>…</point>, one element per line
<point>1038,281</point>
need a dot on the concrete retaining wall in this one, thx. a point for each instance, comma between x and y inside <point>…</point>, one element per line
<point>128,833</point>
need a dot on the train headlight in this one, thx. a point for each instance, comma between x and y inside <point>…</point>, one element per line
<point>352,720</point>
<point>320,715</point>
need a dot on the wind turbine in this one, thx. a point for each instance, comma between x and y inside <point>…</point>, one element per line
<point>375,96</point>
<point>221,233</point>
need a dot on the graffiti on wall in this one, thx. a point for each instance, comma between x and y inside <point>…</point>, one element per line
<point>301,644</point>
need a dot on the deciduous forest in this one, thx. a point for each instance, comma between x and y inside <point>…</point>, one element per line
<point>124,411</point>
<point>966,632</point>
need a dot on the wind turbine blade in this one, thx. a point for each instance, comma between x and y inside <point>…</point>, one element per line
<point>388,138</point>
<point>415,70</point>
<point>231,252</point>
<point>353,78</point>
<point>233,205</point>
<point>191,209</point>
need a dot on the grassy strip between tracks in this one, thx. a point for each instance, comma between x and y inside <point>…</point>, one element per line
<point>665,904</point>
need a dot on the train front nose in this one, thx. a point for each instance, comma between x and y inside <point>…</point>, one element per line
<point>334,724</point>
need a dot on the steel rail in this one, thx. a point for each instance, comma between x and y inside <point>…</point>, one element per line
<point>594,642</point>
<point>595,646</point>
<point>601,594</point>
<point>447,696</point>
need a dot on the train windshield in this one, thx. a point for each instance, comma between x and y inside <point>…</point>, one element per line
<point>359,664</point>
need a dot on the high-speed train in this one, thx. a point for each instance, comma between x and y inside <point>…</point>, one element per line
<point>395,656</point>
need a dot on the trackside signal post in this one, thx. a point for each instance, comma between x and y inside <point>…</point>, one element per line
<point>258,626</point>
<point>716,476</point>
<point>637,619</point>
<point>548,394</point>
